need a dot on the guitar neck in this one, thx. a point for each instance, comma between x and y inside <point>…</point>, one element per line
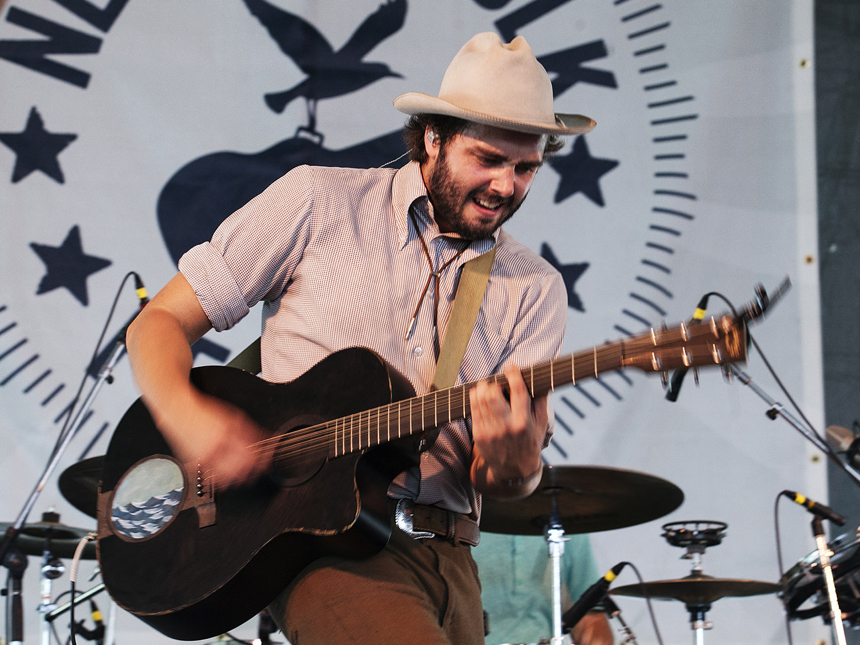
<point>711,343</point>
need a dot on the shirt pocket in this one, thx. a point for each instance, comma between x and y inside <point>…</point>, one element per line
<point>485,353</point>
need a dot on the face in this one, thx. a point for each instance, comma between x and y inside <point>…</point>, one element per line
<point>478,180</point>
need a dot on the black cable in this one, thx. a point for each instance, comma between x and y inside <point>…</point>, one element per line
<point>647,597</point>
<point>831,453</point>
<point>75,399</point>
<point>779,563</point>
<point>72,613</point>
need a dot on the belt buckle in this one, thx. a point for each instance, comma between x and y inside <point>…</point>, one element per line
<point>403,519</point>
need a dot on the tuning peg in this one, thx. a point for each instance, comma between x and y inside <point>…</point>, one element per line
<point>664,379</point>
<point>696,376</point>
<point>727,373</point>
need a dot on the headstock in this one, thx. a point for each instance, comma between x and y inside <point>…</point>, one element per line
<point>714,341</point>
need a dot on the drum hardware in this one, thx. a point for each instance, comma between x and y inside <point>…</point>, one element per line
<point>16,563</point>
<point>101,368</point>
<point>79,484</point>
<point>803,592</point>
<point>589,499</point>
<point>63,539</point>
<point>820,512</point>
<point>585,499</point>
<point>697,591</point>
<point>51,540</point>
<point>695,536</point>
<point>18,531</point>
<point>614,611</point>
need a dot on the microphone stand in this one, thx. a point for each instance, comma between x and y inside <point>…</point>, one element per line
<point>104,375</point>
<point>827,570</point>
<point>777,409</point>
<point>614,611</point>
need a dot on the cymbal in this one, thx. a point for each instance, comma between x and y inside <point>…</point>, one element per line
<point>63,539</point>
<point>697,589</point>
<point>590,499</point>
<point>79,484</point>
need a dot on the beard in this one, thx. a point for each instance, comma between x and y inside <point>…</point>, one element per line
<point>450,198</point>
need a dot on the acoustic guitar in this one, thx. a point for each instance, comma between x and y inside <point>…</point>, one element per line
<point>194,560</point>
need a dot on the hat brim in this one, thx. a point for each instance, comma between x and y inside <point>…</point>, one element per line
<point>420,103</point>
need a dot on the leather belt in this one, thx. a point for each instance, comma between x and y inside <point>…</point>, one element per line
<point>422,521</point>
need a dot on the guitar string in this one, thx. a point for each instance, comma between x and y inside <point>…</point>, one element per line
<point>300,443</point>
<point>366,423</point>
<point>353,428</point>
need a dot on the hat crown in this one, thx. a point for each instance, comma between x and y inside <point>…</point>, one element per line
<point>497,84</point>
<point>503,80</point>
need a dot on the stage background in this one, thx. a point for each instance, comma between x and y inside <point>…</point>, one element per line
<point>699,177</point>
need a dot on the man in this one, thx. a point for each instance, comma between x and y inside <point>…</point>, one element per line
<point>344,257</point>
<point>517,594</point>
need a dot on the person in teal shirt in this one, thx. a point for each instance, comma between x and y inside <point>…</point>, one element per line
<point>516,588</point>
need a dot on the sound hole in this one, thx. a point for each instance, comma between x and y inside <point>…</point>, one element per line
<point>147,498</point>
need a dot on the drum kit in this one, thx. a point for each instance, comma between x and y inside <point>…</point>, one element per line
<point>568,500</point>
<point>572,499</point>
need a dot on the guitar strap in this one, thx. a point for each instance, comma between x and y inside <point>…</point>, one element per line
<point>467,302</point>
<point>249,359</point>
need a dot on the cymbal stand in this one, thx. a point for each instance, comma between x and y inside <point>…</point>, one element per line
<point>696,536</point>
<point>52,568</point>
<point>827,569</point>
<point>555,542</point>
<point>698,622</point>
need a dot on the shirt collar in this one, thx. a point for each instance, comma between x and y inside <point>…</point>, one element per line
<point>409,190</point>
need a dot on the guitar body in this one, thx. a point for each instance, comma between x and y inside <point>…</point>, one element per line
<point>194,561</point>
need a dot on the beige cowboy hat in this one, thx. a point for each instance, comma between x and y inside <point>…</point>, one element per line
<point>497,84</point>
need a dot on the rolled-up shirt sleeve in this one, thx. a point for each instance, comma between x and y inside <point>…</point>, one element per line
<point>254,252</point>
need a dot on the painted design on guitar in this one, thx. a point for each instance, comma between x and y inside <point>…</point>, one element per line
<point>147,498</point>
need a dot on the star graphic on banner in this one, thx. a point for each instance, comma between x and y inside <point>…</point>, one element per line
<point>580,173</point>
<point>68,266</point>
<point>36,149</point>
<point>570,273</point>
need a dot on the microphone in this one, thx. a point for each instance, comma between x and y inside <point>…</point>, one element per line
<point>99,631</point>
<point>589,599</point>
<point>140,290</point>
<point>815,507</point>
<point>680,373</point>
<point>844,440</point>
<point>97,634</point>
<point>142,300</point>
<point>117,344</point>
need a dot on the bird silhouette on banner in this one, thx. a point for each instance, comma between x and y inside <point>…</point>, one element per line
<point>330,73</point>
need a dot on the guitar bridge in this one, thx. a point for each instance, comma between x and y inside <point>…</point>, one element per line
<point>204,498</point>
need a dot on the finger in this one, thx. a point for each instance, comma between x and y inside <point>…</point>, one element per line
<point>521,401</point>
<point>476,401</point>
<point>540,406</point>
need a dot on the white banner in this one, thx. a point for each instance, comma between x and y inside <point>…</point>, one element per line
<point>129,129</point>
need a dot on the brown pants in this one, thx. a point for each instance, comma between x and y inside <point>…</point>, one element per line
<point>415,592</point>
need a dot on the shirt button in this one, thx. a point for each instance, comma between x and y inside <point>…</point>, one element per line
<point>417,351</point>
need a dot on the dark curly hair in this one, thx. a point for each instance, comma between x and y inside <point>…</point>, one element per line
<point>446,127</point>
